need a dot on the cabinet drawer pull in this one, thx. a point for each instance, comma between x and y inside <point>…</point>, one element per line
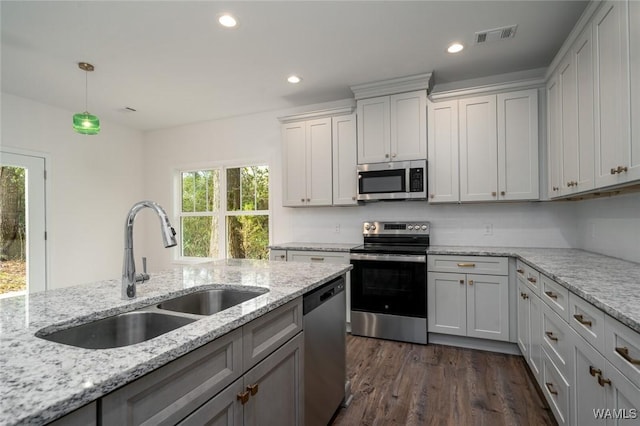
<point>520,271</point>
<point>317,259</point>
<point>621,169</point>
<point>551,294</point>
<point>602,381</point>
<point>525,296</point>
<point>461,281</point>
<point>551,336</point>
<point>466,265</point>
<point>243,397</point>
<point>582,321</point>
<point>253,389</point>
<point>624,353</point>
<point>614,171</point>
<point>594,371</point>
<point>493,194</point>
<point>532,280</point>
<point>551,390</point>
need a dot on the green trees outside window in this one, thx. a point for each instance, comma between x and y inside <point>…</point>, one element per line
<point>242,220</point>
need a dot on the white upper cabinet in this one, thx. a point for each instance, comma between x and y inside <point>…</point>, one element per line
<point>392,128</point>
<point>345,178</point>
<point>478,149</point>
<point>634,71</point>
<point>612,125</point>
<point>307,163</point>
<point>443,152</point>
<point>374,139</point>
<point>518,145</point>
<point>553,137</point>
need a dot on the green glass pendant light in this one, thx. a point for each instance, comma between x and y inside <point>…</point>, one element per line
<point>84,122</point>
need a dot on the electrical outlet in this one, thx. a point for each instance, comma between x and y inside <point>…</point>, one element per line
<point>337,229</point>
<point>488,229</point>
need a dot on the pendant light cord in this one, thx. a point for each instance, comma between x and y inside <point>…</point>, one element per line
<point>86,91</point>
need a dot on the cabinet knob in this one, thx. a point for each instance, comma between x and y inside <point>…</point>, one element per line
<point>470,282</point>
<point>393,155</point>
<point>243,397</point>
<point>308,199</point>
<point>386,156</point>
<point>503,192</point>
<point>432,195</point>
<point>302,200</point>
<point>353,198</point>
<point>493,194</point>
<point>461,281</point>
<point>253,389</point>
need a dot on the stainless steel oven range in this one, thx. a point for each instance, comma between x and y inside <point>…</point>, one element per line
<point>389,281</point>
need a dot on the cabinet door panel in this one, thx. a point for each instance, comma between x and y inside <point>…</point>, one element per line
<point>408,113</point>
<point>488,307</point>
<point>535,348</point>
<point>319,159</point>
<point>373,130</point>
<point>588,394</point>
<point>583,57</point>
<point>168,394</point>
<point>447,303</point>
<point>524,323</point>
<point>345,178</point>
<point>634,71</point>
<point>443,152</point>
<point>517,116</point>
<point>568,124</point>
<point>478,149</point>
<point>294,167</point>
<point>554,142</point>
<point>279,399</point>
<point>222,410</point>
<point>623,398</point>
<point>610,37</point>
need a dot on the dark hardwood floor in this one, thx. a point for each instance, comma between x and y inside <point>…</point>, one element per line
<point>396,383</point>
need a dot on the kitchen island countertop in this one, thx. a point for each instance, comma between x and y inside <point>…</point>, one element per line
<point>42,380</point>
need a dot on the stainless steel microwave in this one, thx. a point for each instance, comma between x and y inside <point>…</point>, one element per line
<point>401,180</point>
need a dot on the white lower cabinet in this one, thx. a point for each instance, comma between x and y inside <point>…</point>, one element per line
<point>530,328</point>
<point>587,363</point>
<point>251,376</point>
<point>322,257</point>
<point>467,304</point>
<point>263,396</point>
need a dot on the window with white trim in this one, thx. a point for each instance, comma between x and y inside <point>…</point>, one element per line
<point>224,212</point>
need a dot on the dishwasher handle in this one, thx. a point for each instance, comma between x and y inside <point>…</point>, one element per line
<point>322,294</point>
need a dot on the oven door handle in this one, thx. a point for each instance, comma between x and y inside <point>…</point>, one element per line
<point>390,257</point>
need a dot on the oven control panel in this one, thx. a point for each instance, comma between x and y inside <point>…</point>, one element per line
<point>396,228</point>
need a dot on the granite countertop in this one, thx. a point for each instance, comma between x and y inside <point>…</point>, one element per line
<point>611,284</point>
<point>42,380</point>
<point>338,247</point>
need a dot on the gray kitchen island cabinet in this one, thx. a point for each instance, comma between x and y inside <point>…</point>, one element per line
<point>220,383</point>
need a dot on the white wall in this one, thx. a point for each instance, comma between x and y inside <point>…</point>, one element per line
<point>610,225</point>
<point>93,181</point>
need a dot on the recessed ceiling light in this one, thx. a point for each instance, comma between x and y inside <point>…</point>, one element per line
<point>294,79</point>
<point>228,21</point>
<point>455,48</point>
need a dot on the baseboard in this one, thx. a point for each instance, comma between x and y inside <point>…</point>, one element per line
<point>473,343</point>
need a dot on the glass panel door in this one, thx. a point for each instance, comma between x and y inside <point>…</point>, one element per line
<point>22,224</point>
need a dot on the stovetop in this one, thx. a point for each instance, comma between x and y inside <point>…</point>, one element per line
<point>394,237</point>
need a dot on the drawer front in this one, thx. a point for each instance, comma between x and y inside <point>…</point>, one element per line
<point>278,255</point>
<point>317,256</point>
<point>556,389</point>
<point>622,349</point>
<point>529,276</point>
<point>170,393</point>
<point>587,320</point>
<point>468,264</point>
<point>556,296</point>
<point>83,416</point>
<point>263,335</point>
<point>556,340</point>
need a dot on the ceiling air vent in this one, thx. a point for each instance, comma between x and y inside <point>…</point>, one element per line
<point>502,33</point>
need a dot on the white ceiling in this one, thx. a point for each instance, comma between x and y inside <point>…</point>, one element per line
<point>172,62</point>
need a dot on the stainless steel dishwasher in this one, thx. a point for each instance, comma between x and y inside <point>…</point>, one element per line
<point>325,366</point>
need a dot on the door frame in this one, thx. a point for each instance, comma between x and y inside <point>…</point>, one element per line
<point>28,155</point>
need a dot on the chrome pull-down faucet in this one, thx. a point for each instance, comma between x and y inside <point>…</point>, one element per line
<point>129,276</point>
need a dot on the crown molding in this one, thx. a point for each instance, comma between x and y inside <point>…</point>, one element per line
<point>392,86</point>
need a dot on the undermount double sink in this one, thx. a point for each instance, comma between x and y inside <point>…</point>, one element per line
<point>151,321</point>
